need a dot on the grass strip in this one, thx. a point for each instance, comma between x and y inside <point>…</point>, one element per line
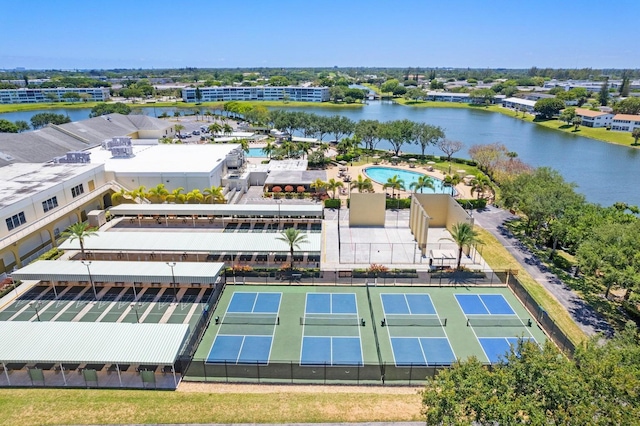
<point>499,258</point>
<point>94,406</point>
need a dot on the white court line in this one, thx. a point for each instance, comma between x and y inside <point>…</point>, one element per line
<point>443,330</point>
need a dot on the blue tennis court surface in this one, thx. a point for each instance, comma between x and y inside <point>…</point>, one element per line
<point>254,302</point>
<point>331,303</point>
<point>249,348</point>
<point>410,304</point>
<point>240,349</point>
<point>484,304</point>
<point>421,351</point>
<point>329,350</point>
<point>497,347</point>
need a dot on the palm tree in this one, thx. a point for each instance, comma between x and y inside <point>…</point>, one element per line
<point>244,145</point>
<point>227,129</point>
<point>362,184</point>
<point>177,196</point>
<point>158,194</point>
<point>139,193</point>
<point>120,196</point>
<point>332,185</point>
<point>635,134</point>
<point>452,181</point>
<point>463,235</point>
<point>422,182</point>
<point>324,147</point>
<point>214,195</point>
<point>194,197</point>
<point>304,148</point>
<point>479,184</point>
<point>319,186</point>
<point>294,238</point>
<point>395,183</point>
<point>288,147</point>
<point>268,149</point>
<point>215,128</point>
<point>79,231</point>
<point>178,128</point>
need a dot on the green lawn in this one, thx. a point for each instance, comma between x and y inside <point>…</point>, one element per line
<point>499,258</point>
<point>94,406</point>
<point>48,105</point>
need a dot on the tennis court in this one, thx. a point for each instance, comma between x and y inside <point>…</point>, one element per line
<point>246,329</point>
<point>327,334</point>
<point>494,323</point>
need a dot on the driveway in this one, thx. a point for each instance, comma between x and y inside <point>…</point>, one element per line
<point>492,219</point>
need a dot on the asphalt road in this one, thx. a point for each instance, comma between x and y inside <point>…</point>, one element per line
<point>492,219</point>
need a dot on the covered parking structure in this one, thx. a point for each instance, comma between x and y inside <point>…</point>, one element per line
<point>223,213</point>
<point>230,248</point>
<point>83,354</point>
<point>121,274</point>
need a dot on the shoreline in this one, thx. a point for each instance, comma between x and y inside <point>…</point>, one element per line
<point>599,134</point>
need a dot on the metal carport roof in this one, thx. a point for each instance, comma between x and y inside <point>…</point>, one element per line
<point>257,210</point>
<point>85,342</point>
<point>120,271</point>
<point>190,242</point>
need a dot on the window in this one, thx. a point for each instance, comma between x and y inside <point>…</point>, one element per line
<point>50,204</point>
<point>16,220</point>
<point>77,190</point>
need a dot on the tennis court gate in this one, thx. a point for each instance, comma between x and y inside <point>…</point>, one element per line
<point>294,373</point>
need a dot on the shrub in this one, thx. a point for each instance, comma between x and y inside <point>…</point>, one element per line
<point>473,203</point>
<point>331,203</point>
<point>288,188</point>
<point>300,189</point>
<point>401,203</point>
<point>276,189</point>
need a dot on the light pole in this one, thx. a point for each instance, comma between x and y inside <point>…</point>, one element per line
<point>173,277</point>
<point>87,263</point>
<point>278,202</point>
<point>135,308</point>
<point>35,306</point>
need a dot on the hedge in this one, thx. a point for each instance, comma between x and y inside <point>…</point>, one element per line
<point>400,203</point>
<point>474,202</point>
<point>332,203</point>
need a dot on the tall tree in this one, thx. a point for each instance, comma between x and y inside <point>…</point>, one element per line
<point>449,147</point>
<point>603,94</point>
<point>398,133</point>
<point>395,183</point>
<point>369,132</point>
<point>362,184</point>
<point>293,237</point>
<point>421,183</point>
<point>635,134</point>
<point>79,231</point>
<point>426,134</point>
<point>332,185</point>
<point>464,235</point>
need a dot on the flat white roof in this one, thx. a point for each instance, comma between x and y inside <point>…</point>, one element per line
<point>91,342</point>
<point>23,180</point>
<point>119,271</point>
<point>179,158</point>
<point>288,165</point>
<point>264,210</point>
<point>520,101</point>
<point>189,242</point>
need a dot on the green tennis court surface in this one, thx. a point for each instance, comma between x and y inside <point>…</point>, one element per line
<point>302,333</point>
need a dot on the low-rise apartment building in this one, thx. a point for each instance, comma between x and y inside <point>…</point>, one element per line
<point>625,122</point>
<point>594,118</point>
<point>257,93</point>
<point>31,96</point>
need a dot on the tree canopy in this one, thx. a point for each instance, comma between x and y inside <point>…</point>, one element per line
<point>548,107</point>
<point>104,108</point>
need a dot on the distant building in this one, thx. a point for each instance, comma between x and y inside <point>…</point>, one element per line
<point>257,93</point>
<point>594,118</point>
<point>519,104</point>
<point>32,96</point>
<point>459,97</point>
<point>625,122</point>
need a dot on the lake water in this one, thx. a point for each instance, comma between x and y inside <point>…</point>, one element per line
<point>604,172</point>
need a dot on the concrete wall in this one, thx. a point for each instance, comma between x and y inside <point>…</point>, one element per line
<point>367,209</point>
<point>434,210</point>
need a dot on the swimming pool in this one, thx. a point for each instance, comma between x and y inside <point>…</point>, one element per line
<point>381,174</point>
<point>255,152</point>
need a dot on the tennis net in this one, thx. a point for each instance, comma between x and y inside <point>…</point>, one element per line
<point>248,318</point>
<point>414,321</point>
<point>331,319</point>
<point>498,321</point>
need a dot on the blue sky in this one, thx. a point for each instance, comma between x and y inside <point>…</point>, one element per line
<point>287,33</point>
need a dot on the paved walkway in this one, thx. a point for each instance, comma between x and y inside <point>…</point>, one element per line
<point>492,219</point>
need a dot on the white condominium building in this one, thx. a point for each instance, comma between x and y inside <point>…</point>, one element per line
<point>257,93</point>
<point>22,95</point>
